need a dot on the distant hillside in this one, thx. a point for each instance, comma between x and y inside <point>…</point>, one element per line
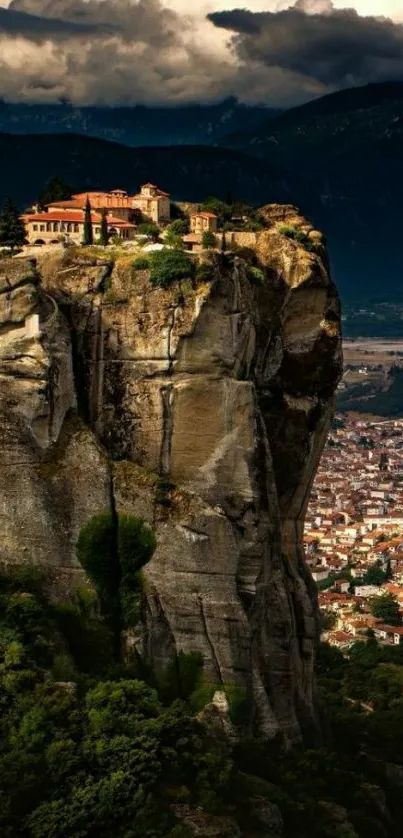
<point>380,401</point>
<point>348,146</point>
<point>331,126</point>
<point>188,172</point>
<point>135,126</point>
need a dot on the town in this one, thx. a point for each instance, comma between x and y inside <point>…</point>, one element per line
<point>354,532</point>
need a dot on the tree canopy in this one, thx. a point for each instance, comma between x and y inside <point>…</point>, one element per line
<point>83,757</point>
<point>222,210</point>
<point>12,227</point>
<point>104,234</point>
<point>148,228</point>
<point>386,608</point>
<point>209,240</point>
<point>180,226</point>
<point>88,233</point>
<point>55,190</point>
<point>169,266</point>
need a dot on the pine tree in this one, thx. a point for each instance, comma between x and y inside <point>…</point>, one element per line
<point>104,235</point>
<point>88,235</point>
<point>12,227</point>
<point>55,190</point>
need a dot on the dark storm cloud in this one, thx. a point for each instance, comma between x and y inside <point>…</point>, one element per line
<point>333,47</point>
<point>113,51</point>
<point>35,27</point>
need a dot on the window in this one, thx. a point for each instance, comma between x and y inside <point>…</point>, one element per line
<point>97,231</point>
<point>35,226</point>
<point>55,226</point>
<point>76,228</point>
<point>48,227</point>
<point>69,227</point>
<point>42,228</point>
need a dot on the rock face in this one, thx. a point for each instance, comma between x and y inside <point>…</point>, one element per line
<point>202,409</point>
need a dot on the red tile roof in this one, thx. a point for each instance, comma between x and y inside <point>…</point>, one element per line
<point>73,216</point>
<point>203,215</point>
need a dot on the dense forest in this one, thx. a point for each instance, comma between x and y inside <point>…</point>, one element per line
<point>93,746</point>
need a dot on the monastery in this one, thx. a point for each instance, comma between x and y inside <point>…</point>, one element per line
<point>65,219</point>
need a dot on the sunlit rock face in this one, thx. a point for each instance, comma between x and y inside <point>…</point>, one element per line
<point>47,485</point>
<point>204,410</point>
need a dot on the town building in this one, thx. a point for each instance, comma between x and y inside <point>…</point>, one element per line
<point>354,524</point>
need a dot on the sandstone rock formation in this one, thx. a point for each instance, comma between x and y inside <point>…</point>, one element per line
<point>202,409</point>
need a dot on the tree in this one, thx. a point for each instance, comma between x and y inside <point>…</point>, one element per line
<point>113,550</point>
<point>12,227</point>
<point>169,266</point>
<point>209,240</point>
<point>375,575</point>
<point>386,608</point>
<point>229,199</point>
<point>180,227</point>
<point>149,229</point>
<point>55,190</point>
<point>174,240</point>
<point>88,235</point>
<point>219,208</point>
<point>383,462</point>
<point>104,235</point>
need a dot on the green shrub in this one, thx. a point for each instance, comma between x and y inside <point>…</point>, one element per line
<point>63,668</point>
<point>182,677</point>
<point>26,577</point>
<point>238,702</point>
<point>113,550</point>
<point>209,241</point>
<point>87,601</point>
<point>97,553</point>
<point>180,227</point>
<point>142,263</point>
<point>90,642</point>
<point>202,696</point>
<point>239,705</point>
<point>169,266</point>
<point>174,241</point>
<point>297,235</point>
<point>205,271</point>
<point>152,231</point>
<point>256,275</point>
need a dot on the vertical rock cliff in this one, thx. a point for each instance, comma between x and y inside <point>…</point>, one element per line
<point>202,408</point>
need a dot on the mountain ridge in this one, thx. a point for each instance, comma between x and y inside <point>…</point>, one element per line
<point>135,125</point>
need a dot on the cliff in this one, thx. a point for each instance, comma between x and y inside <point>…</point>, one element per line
<point>202,408</point>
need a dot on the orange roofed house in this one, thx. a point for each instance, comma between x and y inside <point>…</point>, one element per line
<point>203,222</point>
<point>151,202</point>
<point>68,224</point>
<point>66,218</point>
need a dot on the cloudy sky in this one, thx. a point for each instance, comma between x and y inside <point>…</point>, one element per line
<point>274,52</point>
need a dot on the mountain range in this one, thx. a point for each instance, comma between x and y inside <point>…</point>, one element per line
<point>138,125</point>
<point>339,158</point>
<point>187,172</point>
